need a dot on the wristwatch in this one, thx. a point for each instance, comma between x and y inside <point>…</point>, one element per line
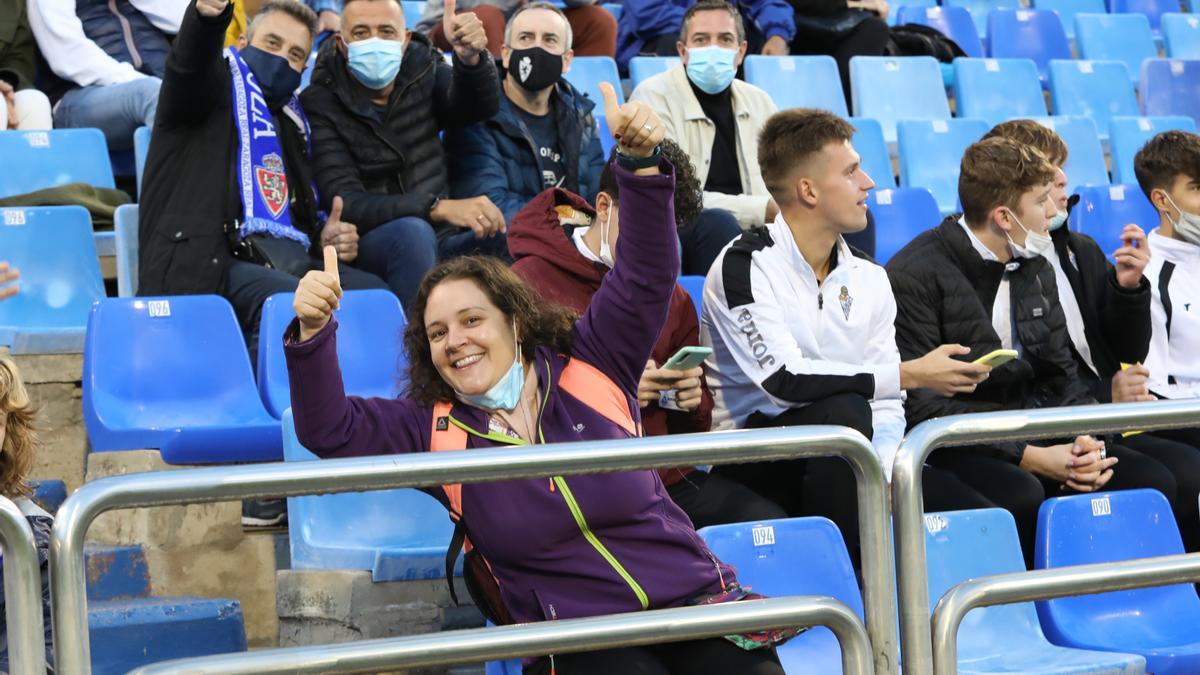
<point>634,163</point>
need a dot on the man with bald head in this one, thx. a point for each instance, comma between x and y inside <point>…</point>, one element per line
<point>544,135</point>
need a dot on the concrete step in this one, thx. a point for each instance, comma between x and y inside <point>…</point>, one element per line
<point>126,634</point>
<point>116,572</point>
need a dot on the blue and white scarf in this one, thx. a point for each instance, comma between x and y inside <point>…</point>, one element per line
<point>261,173</point>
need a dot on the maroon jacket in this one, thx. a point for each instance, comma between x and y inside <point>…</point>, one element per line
<point>546,258</point>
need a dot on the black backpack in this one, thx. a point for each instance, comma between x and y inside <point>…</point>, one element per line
<point>914,39</point>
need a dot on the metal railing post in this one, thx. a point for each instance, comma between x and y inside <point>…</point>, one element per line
<point>908,504</point>
<point>535,639</point>
<point>22,593</point>
<point>1046,584</point>
<point>226,483</point>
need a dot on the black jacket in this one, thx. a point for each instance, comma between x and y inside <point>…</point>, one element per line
<point>1116,320</point>
<point>17,46</point>
<point>190,189</point>
<point>392,166</point>
<point>944,294</point>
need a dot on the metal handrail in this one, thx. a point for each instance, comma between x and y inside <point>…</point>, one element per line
<point>535,639</point>
<point>1046,584</point>
<point>22,593</point>
<point>908,504</point>
<point>185,486</point>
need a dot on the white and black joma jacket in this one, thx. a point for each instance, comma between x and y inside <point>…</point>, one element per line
<point>1174,358</point>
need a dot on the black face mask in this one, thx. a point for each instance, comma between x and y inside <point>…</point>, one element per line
<point>535,68</point>
<point>273,73</point>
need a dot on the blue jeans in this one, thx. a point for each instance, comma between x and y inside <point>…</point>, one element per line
<point>400,252</point>
<point>464,242</point>
<point>117,110</point>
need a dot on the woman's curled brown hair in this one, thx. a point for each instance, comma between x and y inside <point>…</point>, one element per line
<point>20,434</point>
<point>538,322</point>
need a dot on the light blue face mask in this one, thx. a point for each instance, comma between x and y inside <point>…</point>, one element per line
<point>1058,219</point>
<point>711,68</point>
<point>375,61</point>
<point>506,393</point>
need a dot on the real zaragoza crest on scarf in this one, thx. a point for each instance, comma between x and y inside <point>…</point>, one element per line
<point>272,183</point>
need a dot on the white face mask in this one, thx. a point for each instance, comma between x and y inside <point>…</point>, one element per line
<point>1058,219</point>
<point>1188,225</point>
<point>1035,243</point>
<point>606,254</point>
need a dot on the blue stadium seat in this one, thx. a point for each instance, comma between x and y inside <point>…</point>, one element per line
<point>369,340</point>
<point>961,545</point>
<point>1067,9</point>
<point>1158,623</point>
<point>587,72</point>
<point>413,11</point>
<point>1095,89</point>
<point>890,89</point>
<point>642,68</point>
<point>1127,135</point>
<point>125,226</point>
<point>1181,35</point>
<point>141,147</point>
<point>1171,87</point>
<point>613,8</point>
<point>1102,212</point>
<point>798,81</point>
<point>997,89</point>
<point>954,22</point>
<point>1085,158</point>
<point>53,248</point>
<point>794,556</point>
<point>894,16</point>
<point>1153,9</point>
<point>1027,34</point>
<point>868,142</point>
<point>900,215</point>
<point>173,374</point>
<point>931,152</point>
<point>399,534</point>
<point>694,285</point>
<point>607,142</point>
<point>51,158</point>
<point>1116,37</point>
<point>509,667</point>
<point>979,11</point>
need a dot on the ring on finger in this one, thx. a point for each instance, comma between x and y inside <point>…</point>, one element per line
<point>648,127</point>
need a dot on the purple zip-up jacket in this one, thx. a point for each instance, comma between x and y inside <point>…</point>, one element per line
<point>545,566</point>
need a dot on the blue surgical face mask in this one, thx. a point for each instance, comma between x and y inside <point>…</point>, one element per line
<point>506,393</point>
<point>1058,220</point>
<point>375,61</point>
<point>711,68</point>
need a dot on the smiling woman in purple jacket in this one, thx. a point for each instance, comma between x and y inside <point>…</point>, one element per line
<point>491,365</point>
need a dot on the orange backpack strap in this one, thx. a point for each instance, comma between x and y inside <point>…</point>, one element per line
<point>446,436</point>
<point>597,391</point>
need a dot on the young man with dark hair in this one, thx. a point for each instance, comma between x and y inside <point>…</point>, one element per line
<point>562,247</point>
<point>802,325</point>
<point>978,280</point>
<point>1107,310</point>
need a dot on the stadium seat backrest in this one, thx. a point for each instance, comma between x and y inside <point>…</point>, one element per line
<point>1152,9</point>
<point>398,534</point>
<point>642,68</point>
<point>1085,158</point>
<point>35,160</point>
<point>931,152</point>
<point>1096,89</point>
<point>125,226</point>
<point>890,89</point>
<point>954,22</point>
<point>868,142</point>
<point>1181,35</point>
<point>979,11</point>
<point>1102,212</point>
<point>794,556</point>
<point>962,545</point>
<point>798,81</point>
<point>1109,527</point>
<point>587,72</point>
<point>413,11</point>
<point>694,285</point>
<point>154,369</point>
<point>55,251</point>
<point>369,341</point>
<point>1067,9</point>
<point>1035,34</point>
<point>996,90</point>
<point>900,215</point>
<point>1116,37</point>
<point>894,15</point>
<point>1171,87</point>
<point>141,147</point>
<point>1127,135</point>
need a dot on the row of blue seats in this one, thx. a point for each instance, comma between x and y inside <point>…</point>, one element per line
<point>978,10</point>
